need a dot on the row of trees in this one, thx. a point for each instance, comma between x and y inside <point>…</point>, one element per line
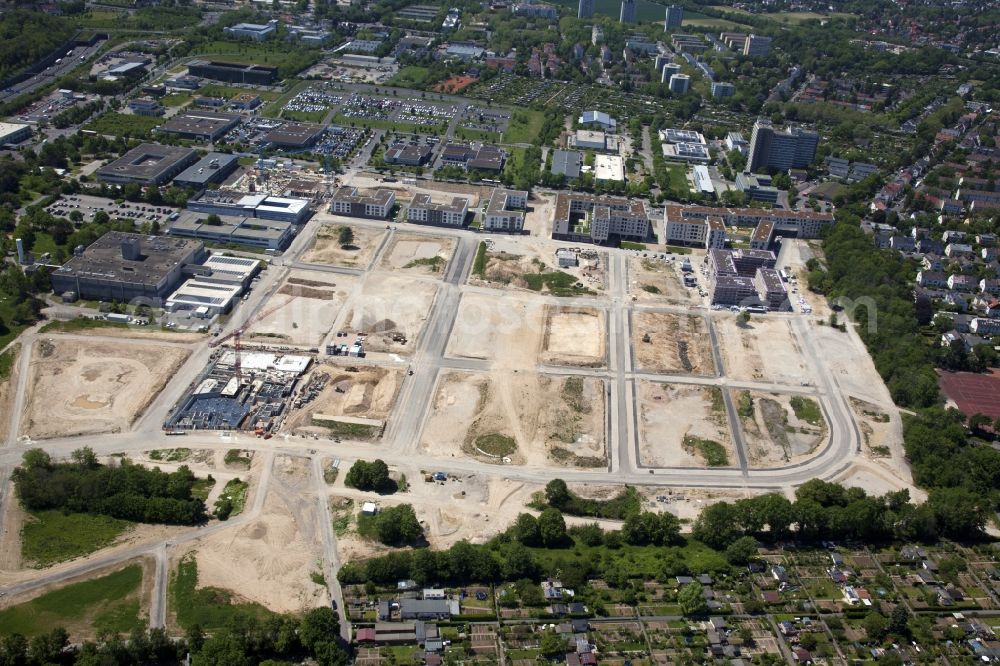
<point>364,475</point>
<point>824,510</point>
<point>246,641</point>
<point>128,491</point>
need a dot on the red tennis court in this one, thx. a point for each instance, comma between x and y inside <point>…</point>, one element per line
<point>974,393</point>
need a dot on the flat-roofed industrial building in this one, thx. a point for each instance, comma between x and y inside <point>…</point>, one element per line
<point>123,266</point>
<point>212,168</point>
<point>200,125</point>
<point>148,164</point>
<point>250,231</point>
<point>230,72</point>
<point>205,299</point>
<point>260,206</point>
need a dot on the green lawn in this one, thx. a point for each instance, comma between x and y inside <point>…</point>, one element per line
<point>470,134</point>
<point>525,126</point>
<point>345,121</point>
<point>342,429</point>
<point>209,607</point>
<point>305,116</point>
<point>120,124</point>
<point>411,76</point>
<point>108,603</point>
<point>80,324</point>
<point>53,536</point>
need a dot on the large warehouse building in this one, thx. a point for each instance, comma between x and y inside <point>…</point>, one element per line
<point>200,125</point>
<point>230,72</point>
<point>148,164</point>
<point>260,206</point>
<point>121,266</point>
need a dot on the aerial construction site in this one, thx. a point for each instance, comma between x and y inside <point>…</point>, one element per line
<point>477,366</point>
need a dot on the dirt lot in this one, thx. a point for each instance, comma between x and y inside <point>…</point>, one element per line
<point>465,507</point>
<point>509,258</point>
<point>304,308</point>
<point>507,331</point>
<point>764,349</point>
<point>423,255</point>
<point>568,428</point>
<point>468,401</point>
<point>659,281</point>
<point>391,305</point>
<point>270,559</point>
<point>678,343</point>
<point>80,388</point>
<point>849,362</point>
<point>326,249</point>
<point>574,336</point>
<point>368,393</point>
<point>775,437</point>
<point>671,414</point>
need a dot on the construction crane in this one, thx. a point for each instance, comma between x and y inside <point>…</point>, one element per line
<point>236,335</point>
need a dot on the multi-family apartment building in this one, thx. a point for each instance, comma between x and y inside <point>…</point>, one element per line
<point>377,206</point>
<point>423,211</point>
<point>505,211</point>
<point>596,219</point>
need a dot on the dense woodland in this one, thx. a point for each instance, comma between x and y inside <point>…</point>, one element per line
<point>26,37</point>
<point>126,491</point>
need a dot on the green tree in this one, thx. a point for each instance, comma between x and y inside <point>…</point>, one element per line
<point>742,550</point>
<point>552,528</point>
<point>318,625</point>
<point>899,621</point>
<point>691,599</point>
<point>557,493</point>
<point>552,645</point>
<point>365,475</point>
<point>876,626</point>
<point>345,236</point>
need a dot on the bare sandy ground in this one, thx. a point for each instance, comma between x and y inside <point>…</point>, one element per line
<point>574,336</point>
<point>409,253</point>
<point>773,434</point>
<point>92,387</point>
<point>466,507</point>
<point>559,419</point>
<point>389,305</point>
<point>327,250</point>
<point>678,344</point>
<point>765,349</point>
<point>505,330</point>
<point>850,364</point>
<point>511,257</point>
<point>269,560</point>
<point>668,413</point>
<point>304,308</point>
<point>368,393</point>
<point>647,275</point>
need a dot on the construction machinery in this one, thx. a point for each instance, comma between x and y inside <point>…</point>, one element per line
<point>236,336</point>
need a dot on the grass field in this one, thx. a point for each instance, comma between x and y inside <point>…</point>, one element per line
<point>52,536</point>
<point>108,603</point>
<point>209,607</point>
<point>120,124</point>
<point>645,11</point>
<point>789,18</point>
<point>341,119</point>
<point>477,135</point>
<point>159,18</point>
<point>411,76</point>
<point>201,488</point>
<point>305,116</point>
<point>525,126</point>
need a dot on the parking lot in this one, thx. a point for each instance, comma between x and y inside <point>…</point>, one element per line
<point>88,206</point>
